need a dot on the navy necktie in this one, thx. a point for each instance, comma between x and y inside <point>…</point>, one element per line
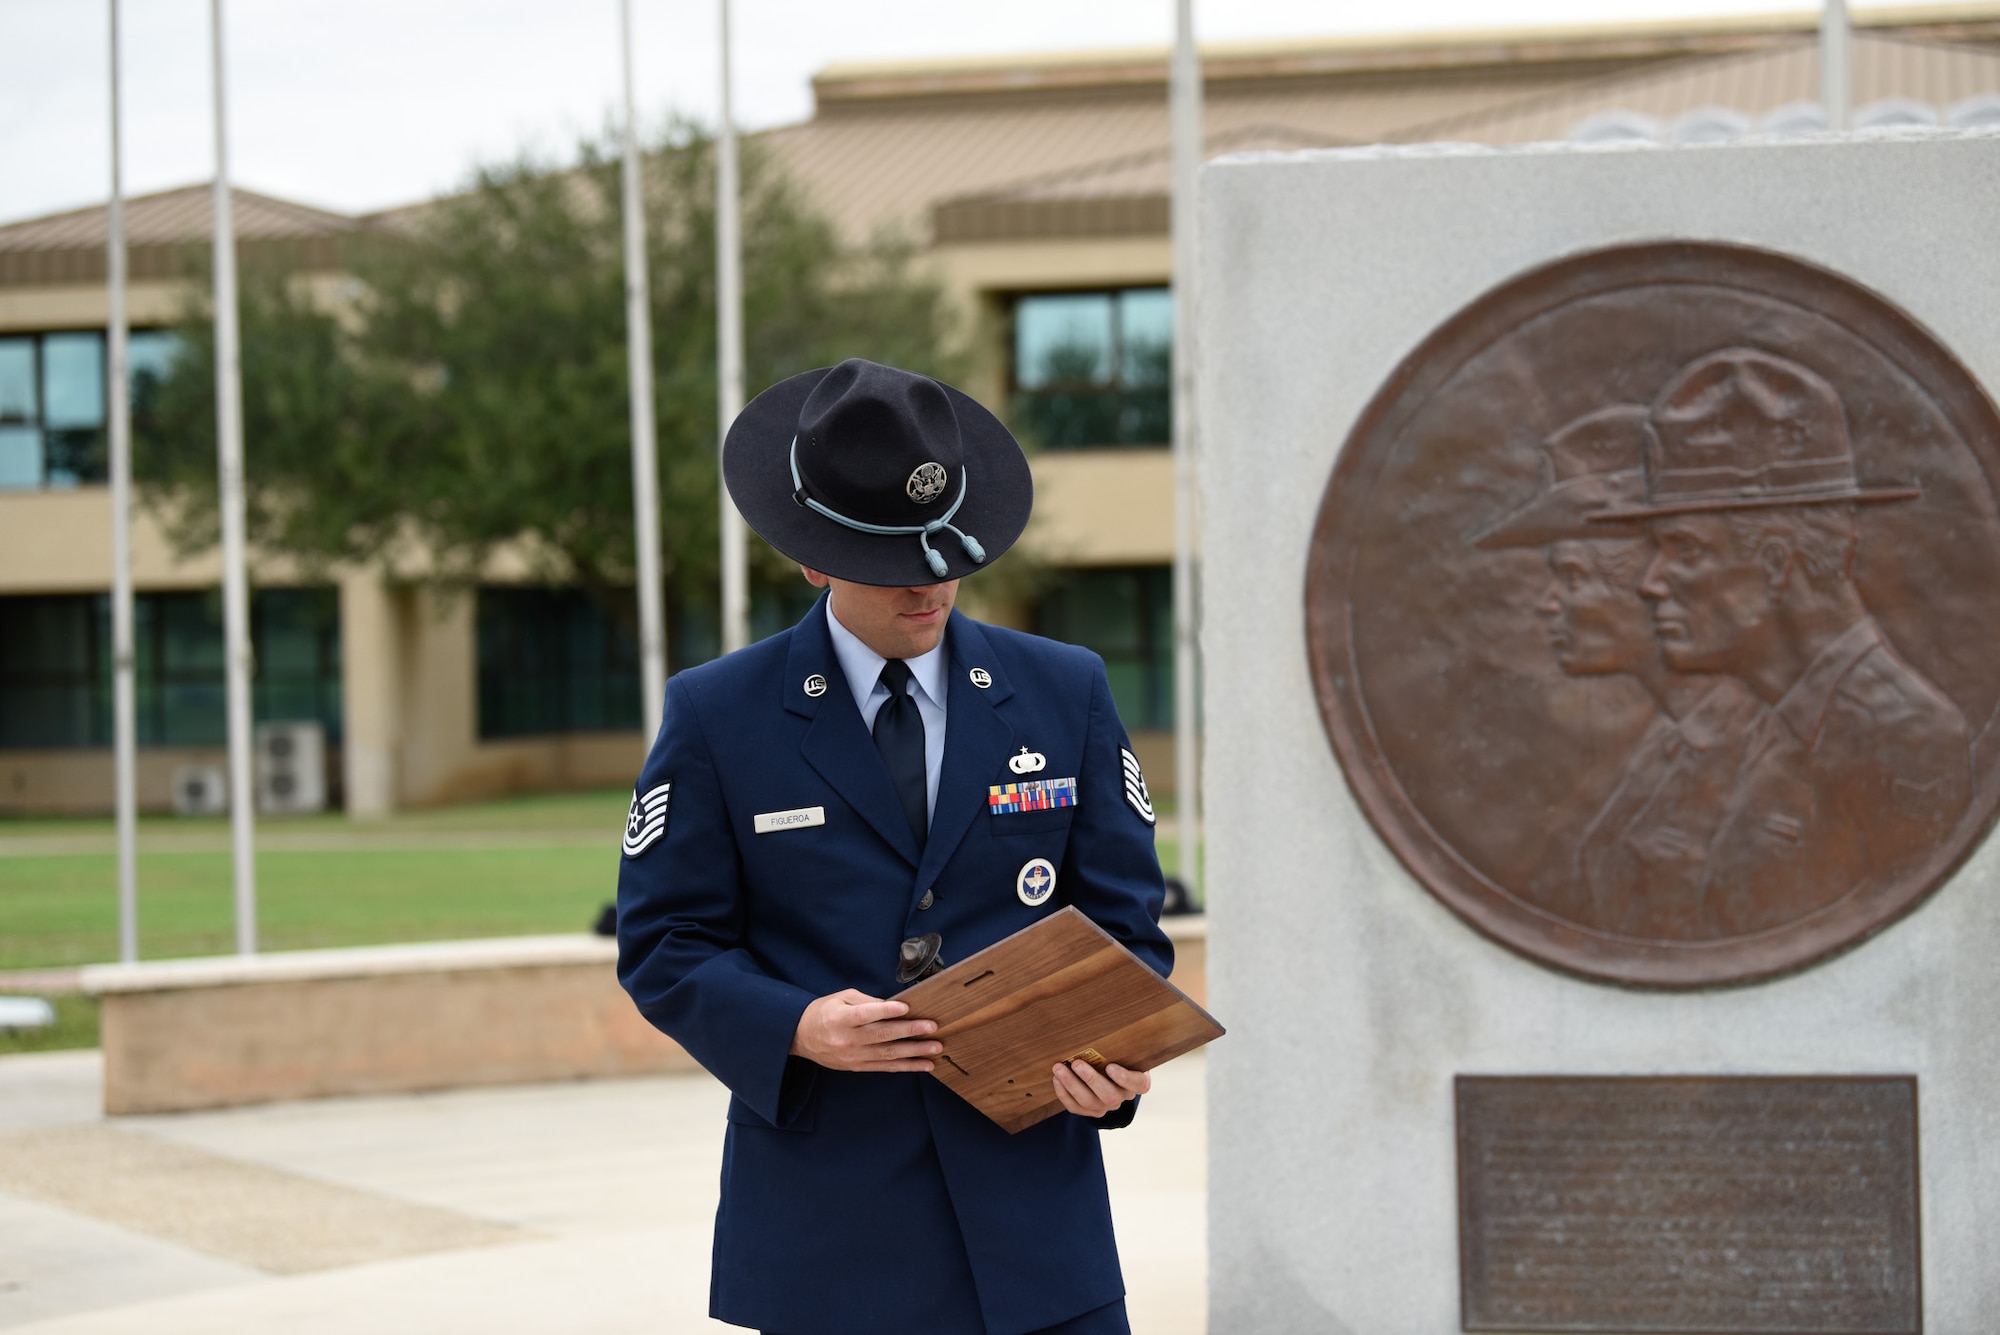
<point>899,736</point>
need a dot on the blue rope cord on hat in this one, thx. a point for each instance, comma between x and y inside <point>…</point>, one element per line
<point>922,532</point>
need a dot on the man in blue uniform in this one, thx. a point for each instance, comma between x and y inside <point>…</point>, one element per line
<point>825,811</point>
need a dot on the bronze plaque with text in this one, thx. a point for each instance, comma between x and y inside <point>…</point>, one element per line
<point>1698,1205</point>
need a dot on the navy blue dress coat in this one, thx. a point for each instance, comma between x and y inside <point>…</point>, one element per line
<point>878,1202</point>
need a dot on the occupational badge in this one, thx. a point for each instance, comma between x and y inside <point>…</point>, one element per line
<point>1136,795</point>
<point>1028,762</point>
<point>647,820</point>
<point>1036,882</point>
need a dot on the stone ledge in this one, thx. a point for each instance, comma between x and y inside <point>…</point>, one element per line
<point>218,1032</point>
<point>418,957</point>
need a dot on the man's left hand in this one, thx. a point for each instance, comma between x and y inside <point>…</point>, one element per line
<point>1089,1092</point>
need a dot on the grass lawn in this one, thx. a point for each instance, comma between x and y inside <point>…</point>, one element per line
<point>61,908</point>
<point>593,812</point>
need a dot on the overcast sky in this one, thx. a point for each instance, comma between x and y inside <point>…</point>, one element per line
<point>363,104</point>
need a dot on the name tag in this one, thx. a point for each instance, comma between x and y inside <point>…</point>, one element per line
<point>770,822</point>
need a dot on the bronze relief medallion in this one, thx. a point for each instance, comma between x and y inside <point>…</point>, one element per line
<point>1654,609</point>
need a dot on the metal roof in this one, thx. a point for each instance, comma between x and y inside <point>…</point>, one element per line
<point>159,231</point>
<point>1078,146</point>
<point>887,168</point>
<point>1016,74</point>
<point>1938,75</point>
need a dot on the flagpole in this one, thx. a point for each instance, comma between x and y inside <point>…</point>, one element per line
<point>729,357</point>
<point>124,710</point>
<point>1836,74</point>
<point>235,579</point>
<point>1184,97</point>
<point>645,437</point>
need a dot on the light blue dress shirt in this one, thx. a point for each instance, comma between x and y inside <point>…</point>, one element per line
<point>863,668</point>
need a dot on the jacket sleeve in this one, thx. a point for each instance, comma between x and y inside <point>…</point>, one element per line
<point>680,931</point>
<point>1111,871</point>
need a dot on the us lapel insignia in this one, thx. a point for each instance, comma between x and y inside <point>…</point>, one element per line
<point>647,820</point>
<point>1032,795</point>
<point>1136,796</point>
<point>981,678</point>
<point>1035,882</point>
<point>1028,762</point>
<point>815,685</point>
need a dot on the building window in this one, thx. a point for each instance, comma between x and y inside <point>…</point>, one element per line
<point>694,630</point>
<point>1127,617</point>
<point>55,671</point>
<point>295,634</point>
<point>55,667</point>
<point>1093,368</point>
<point>53,406</point>
<point>554,660</point>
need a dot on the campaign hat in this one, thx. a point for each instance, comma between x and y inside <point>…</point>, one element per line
<point>878,475</point>
<point>1592,464</point>
<point>1744,429</point>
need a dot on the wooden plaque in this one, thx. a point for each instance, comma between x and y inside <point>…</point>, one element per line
<point>1056,991</point>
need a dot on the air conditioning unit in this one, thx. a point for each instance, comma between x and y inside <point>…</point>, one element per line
<point>200,790</point>
<point>291,768</point>
<point>18,1013</point>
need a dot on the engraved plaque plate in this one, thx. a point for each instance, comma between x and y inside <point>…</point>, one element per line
<point>1689,1204</point>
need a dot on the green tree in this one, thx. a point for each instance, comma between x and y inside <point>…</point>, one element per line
<point>467,389</point>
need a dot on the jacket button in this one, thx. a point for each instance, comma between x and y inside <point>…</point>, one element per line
<point>928,900</point>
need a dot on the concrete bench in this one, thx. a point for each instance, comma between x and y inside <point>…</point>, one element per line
<point>216,1032</point>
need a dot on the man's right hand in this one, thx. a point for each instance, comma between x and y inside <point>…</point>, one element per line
<point>852,1031</point>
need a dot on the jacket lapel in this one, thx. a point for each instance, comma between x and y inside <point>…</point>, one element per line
<point>975,738</point>
<point>836,745</point>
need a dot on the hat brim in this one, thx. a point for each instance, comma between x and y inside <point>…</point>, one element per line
<point>1720,504</point>
<point>1564,513</point>
<point>756,467</point>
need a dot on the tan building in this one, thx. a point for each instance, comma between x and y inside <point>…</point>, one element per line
<point>1037,187</point>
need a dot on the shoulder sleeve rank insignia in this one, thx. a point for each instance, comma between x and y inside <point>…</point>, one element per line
<point>647,820</point>
<point>1136,796</point>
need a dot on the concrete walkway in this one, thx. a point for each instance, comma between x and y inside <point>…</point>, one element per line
<point>571,1207</point>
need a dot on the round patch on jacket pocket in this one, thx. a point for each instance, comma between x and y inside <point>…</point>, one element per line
<point>1036,882</point>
